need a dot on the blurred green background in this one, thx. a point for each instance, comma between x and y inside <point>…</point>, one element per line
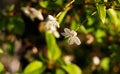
<point>26,48</point>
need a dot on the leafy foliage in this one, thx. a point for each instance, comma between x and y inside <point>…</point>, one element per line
<point>35,67</point>
<point>26,47</point>
<point>54,52</point>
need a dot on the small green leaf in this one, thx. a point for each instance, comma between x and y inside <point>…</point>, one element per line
<point>97,1</point>
<point>19,26</point>
<point>44,4</point>
<point>10,47</point>
<point>60,71</point>
<point>16,24</point>
<point>100,33</point>
<point>72,69</point>
<point>83,29</point>
<point>1,51</point>
<point>10,25</point>
<point>35,67</point>
<point>3,22</point>
<point>119,1</point>
<point>61,16</point>
<point>105,63</point>
<point>10,8</point>
<point>74,25</point>
<point>1,68</point>
<point>113,16</point>
<point>59,2</point>
<point>102,12</point>
<point>48,4</point>
<point>53,50</point>
<point>106,1</point>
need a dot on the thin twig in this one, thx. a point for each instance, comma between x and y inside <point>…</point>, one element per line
<point>66,8</point>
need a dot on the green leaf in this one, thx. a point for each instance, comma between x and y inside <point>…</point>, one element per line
<point>60,71</point>
<point>10,47</point>
<point>105,63</point>
<point>44,4</point>
<point>10,8</point>
<point>74,25</point>
<point>1,68</point>
<point>61,16</point>
<point>35,67</point>
<point>1,51</point>
<point>101,11</point>
<point>3,22</point>
<point>119,1</point>
<point>83,29</point>
<point>59,2</point>
<point>16,24</point>
<point>53,50</point>
<point>97,0</point>
<point>10,25</point>
<point>113,16</point>
<point>19,26</point>
<point>48,4</point>
<point>100,33</point>
<point>72,69</point>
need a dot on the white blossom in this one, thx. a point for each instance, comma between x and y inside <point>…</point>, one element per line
<point>68,59</point>
<point>51,26</point>
<point>72,36</point>
<point>33,13</point>
<point>96,60</point>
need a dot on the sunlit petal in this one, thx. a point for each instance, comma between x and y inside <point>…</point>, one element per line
<point>51,18</point>
<point>56,34</point>
<point>40,16</point>
<point>52,25</point>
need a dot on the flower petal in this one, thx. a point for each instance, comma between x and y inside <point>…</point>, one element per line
<point>77,40</point>
<point>57,24</point>
<point>73,33</point>
<point>51,18</point>
<point>67,31</point>
<point>70,40</point>
<point>25,10</point>
<point>64,34</point>
<point>56,34</point>
<point>40,16</point>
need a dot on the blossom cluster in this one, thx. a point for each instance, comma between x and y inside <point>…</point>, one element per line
<point>51,25</point>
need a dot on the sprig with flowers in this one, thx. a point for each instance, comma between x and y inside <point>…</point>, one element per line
<point>51,24</point>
